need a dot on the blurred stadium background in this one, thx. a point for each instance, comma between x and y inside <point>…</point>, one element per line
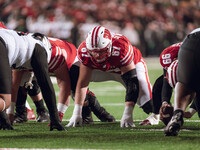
<point>150,25</point>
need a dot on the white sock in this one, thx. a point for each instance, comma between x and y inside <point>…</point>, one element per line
<point>28,106</point>
<point>62,107</point>
<point>11,108</point>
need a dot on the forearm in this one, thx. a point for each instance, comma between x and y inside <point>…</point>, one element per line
<point>166,90</point>
<point>40,68</point>
<point>80,95</point>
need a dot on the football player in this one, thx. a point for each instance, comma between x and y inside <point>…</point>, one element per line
<point>188,73</point>
<point>172,80</point>
<point>23,112</point>
<point>43,116</point>
<point>114,58</point>
<point>61,65</point>
<point>19,50</point>
<point>163,87</point>
<point>162,91</point>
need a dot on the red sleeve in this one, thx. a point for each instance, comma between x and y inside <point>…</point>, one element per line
<point>137,55</point>
<point>83,56</point>
<point>123,46</point>
<point>71,53</point>
<point>61,51</point>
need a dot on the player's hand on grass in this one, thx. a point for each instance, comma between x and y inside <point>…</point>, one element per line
<point>76,119</point>
<point>166,112</point>
<point>127,118</point>
<point>189,113</point>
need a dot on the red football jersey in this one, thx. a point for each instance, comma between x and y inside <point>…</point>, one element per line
<point>61,51</point>
<point>123,53</point>
<point>169,54</point>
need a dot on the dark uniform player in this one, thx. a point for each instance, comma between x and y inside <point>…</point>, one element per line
<point>162,91</point>
<point>20,50</point>
<point>63,52</point>
<point>163,86</point>
<point>188,80</point>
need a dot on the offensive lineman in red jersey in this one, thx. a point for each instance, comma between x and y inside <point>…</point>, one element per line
<point>66,51</point>
<point>162,91</point>
<point>114,55</point>
<point>62,66</point>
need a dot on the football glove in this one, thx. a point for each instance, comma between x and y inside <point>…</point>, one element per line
<point>166,112</point>
<point>76,119</point>
<point>127,118</point>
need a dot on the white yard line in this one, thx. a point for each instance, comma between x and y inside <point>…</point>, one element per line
<point>141,120</point>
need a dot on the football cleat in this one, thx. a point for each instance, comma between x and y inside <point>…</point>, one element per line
<point>174,125</point>
<point>87,115</point>
<point>60,115</point>
<point>145,122</point>
<point>30,114</point>
<point>4,121</point>
<point>153,119</point>
<point>98,110</point>
<point>105,116</point>
<point>57,126</point>
<point>20,115</point>
<point>43,116</point>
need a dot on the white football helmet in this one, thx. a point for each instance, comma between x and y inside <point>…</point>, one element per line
<point>99,43</point>
<point>172,73</point>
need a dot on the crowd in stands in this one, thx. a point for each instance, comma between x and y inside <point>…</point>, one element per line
<point>150,25</point>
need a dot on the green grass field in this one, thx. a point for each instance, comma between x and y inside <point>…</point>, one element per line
<point>104,135</point>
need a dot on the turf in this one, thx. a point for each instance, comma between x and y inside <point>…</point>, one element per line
<point>104,135</point>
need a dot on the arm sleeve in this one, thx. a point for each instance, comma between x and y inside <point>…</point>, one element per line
<point>166,89</point>
<point>40,68</point>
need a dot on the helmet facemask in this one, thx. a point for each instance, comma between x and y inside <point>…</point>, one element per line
<point>98,44</point>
